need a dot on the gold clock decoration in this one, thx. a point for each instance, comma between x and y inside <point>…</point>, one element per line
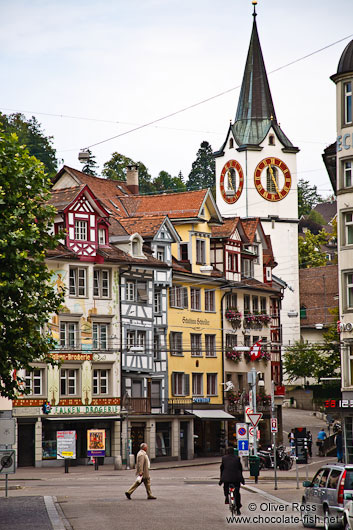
<point>272,179</point>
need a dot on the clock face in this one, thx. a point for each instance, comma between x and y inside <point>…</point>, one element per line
<point>272,179</point>
<point>231,181</point>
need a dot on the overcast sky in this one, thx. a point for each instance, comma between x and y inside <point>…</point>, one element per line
<point>114,65</point>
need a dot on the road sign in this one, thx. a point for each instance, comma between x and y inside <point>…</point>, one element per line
<point>7,431</point>
<point>7,461</point>
<point>255,417</point>
<point>248,410</point>
<point>274,426</point>
<point>251,434</point>
<point>243,447</point>
<point>242,431</point>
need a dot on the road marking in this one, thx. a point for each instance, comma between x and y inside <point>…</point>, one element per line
<point>268,496</point>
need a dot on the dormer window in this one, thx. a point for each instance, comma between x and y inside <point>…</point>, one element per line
<point>58,227</point>
<point>348,103</point>
<point>135,247</point>
<point>102,239</point>
<point>271,139</point>
<point>231,143</point>
<point>81,230</point>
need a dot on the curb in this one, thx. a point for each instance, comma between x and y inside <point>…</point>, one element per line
<point>55,514</point>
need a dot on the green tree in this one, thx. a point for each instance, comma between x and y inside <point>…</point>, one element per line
<point>203,169</point>
<point>316,217</point>
<point>329,362</point>
<point>165,182</point>
<point>308,197</point>
<point>115,169</point>
<point>29,133</point>
<point>90,166</point>
<point>310,254</point>
<point>299,360</point>
<point>27,298</point>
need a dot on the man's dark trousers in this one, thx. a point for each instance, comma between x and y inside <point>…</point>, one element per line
<point>236,491</point>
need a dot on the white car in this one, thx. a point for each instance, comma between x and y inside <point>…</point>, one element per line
<point>348,511</point>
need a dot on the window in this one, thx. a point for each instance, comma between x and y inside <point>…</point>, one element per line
<point>255,304</point>
<point>263,305</point>
<point>232,262</point>
<point>347,174</point>
<point>196,346</point>
<point>303,311</point>
<point>135,339</point>
<point>100,336</point>
<point>142,295</point>
<point>349,290</point>
<point>161,253</point>
<point>231,143</point>
<point>184,252</point>
<point>101,283</point>
<point>348,224</point>
<point>102,236</point>
<point>176,343</point>
<point>34,381</point>
<point>332,482</point>
<point>231,341</point>
<point>136,388</point>
<point>271,140</point>
<point>271,179</point>
<point>197,384</point>
<point>156,346</point>
<point>130,291</point>
<point>130,340</point>
<point>180,384</point>
<point>195,299</point>
<point>78,282</point>
<point>210,345</point>
<point>157,301</point>
<point>178,297</point>
<point>200,251</point>
<point>68,382</point>
<point>81,230</point>
<point>209,300</point>
<point>247,339</point>
<point>348,103</point>
<point>100,381</point>
<point>212,385</point>
<point>231,301</point>
<point>141,339</point>
<point>246,268</point>
<point>246,303</point>
<point>68,334</point>
<point>136,247</point>
<point>156,394</point>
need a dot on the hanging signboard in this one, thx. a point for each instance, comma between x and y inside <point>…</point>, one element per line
<point>96,442</point>
<point>66,445</point>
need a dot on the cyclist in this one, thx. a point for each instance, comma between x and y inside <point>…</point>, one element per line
<point>231,473</point>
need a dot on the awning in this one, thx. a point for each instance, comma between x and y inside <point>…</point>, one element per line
<point>211,414</point>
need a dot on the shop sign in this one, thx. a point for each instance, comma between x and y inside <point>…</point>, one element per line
<point>65,445</point>
<point>96,442</point>
<point>344,326</point>
<point>201,400</point>
<point>196,321</point>
<point>88,409</point>
<point>338,403</point>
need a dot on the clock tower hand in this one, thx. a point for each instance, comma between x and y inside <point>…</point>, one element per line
<point>273,178</point>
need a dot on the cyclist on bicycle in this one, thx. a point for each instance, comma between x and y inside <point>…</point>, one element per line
<point>231,473</point>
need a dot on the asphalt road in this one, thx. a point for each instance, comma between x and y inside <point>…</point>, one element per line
<point>301,418</point>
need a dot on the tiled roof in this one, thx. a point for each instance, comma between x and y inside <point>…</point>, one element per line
<point>318,289</point>
<point>250,226</point>
<point>227,229</point>
<point>146,226</point>
<point>328,210</point>
<point>251,282</point>
<point>61,198</point>
<point>268,257</point>
<point>175,205</point>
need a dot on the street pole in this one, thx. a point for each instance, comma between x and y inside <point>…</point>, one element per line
<point>253,377</point>
<point>127,439</point>
<point>274,434</point>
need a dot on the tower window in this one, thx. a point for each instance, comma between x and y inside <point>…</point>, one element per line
<point>271,139</point>
<point>231,143</point>
<point>348,102</point>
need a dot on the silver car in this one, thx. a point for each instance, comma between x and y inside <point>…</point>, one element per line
<point>325,496</point>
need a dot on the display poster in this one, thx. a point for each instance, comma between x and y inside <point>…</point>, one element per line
<point>96,442</point>
<point>65,445</point>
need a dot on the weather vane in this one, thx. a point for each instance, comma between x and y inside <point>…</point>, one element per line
<point>254,3</point>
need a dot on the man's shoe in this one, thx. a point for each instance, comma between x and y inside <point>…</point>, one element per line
<point>128,496</point>
<point>226,500</point>
<point>151,497</point>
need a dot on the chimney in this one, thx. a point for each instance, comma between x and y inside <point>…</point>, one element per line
<point>132,179</point>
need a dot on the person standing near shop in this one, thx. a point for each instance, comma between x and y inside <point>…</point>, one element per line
<point>142,473</point>
<point>320,441</point>
<point>339,446</point>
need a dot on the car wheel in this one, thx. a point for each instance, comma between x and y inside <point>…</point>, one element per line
<point>306,517</point>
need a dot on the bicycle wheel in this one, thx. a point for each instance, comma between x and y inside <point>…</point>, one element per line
<point>232,502</point>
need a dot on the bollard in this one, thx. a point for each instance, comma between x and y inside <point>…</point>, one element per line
<point>132,461</point>
<point>66,465</point>
<point>96,464</point>
<point>118,462</point>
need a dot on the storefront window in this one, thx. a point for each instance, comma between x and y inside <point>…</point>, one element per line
<point>163,439</point>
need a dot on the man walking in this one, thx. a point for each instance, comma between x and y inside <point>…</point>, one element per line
<point>232,473</point>
<point>142,473</point>
<point>321,437</point>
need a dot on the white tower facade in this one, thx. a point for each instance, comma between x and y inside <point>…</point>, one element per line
<point>256,176</point>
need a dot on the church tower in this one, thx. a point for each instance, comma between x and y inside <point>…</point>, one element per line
<point>256,177</point>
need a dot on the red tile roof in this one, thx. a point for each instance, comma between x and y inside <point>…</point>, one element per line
<point>250,226</point>
<point>146,226</point>
<point>227,229</point>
